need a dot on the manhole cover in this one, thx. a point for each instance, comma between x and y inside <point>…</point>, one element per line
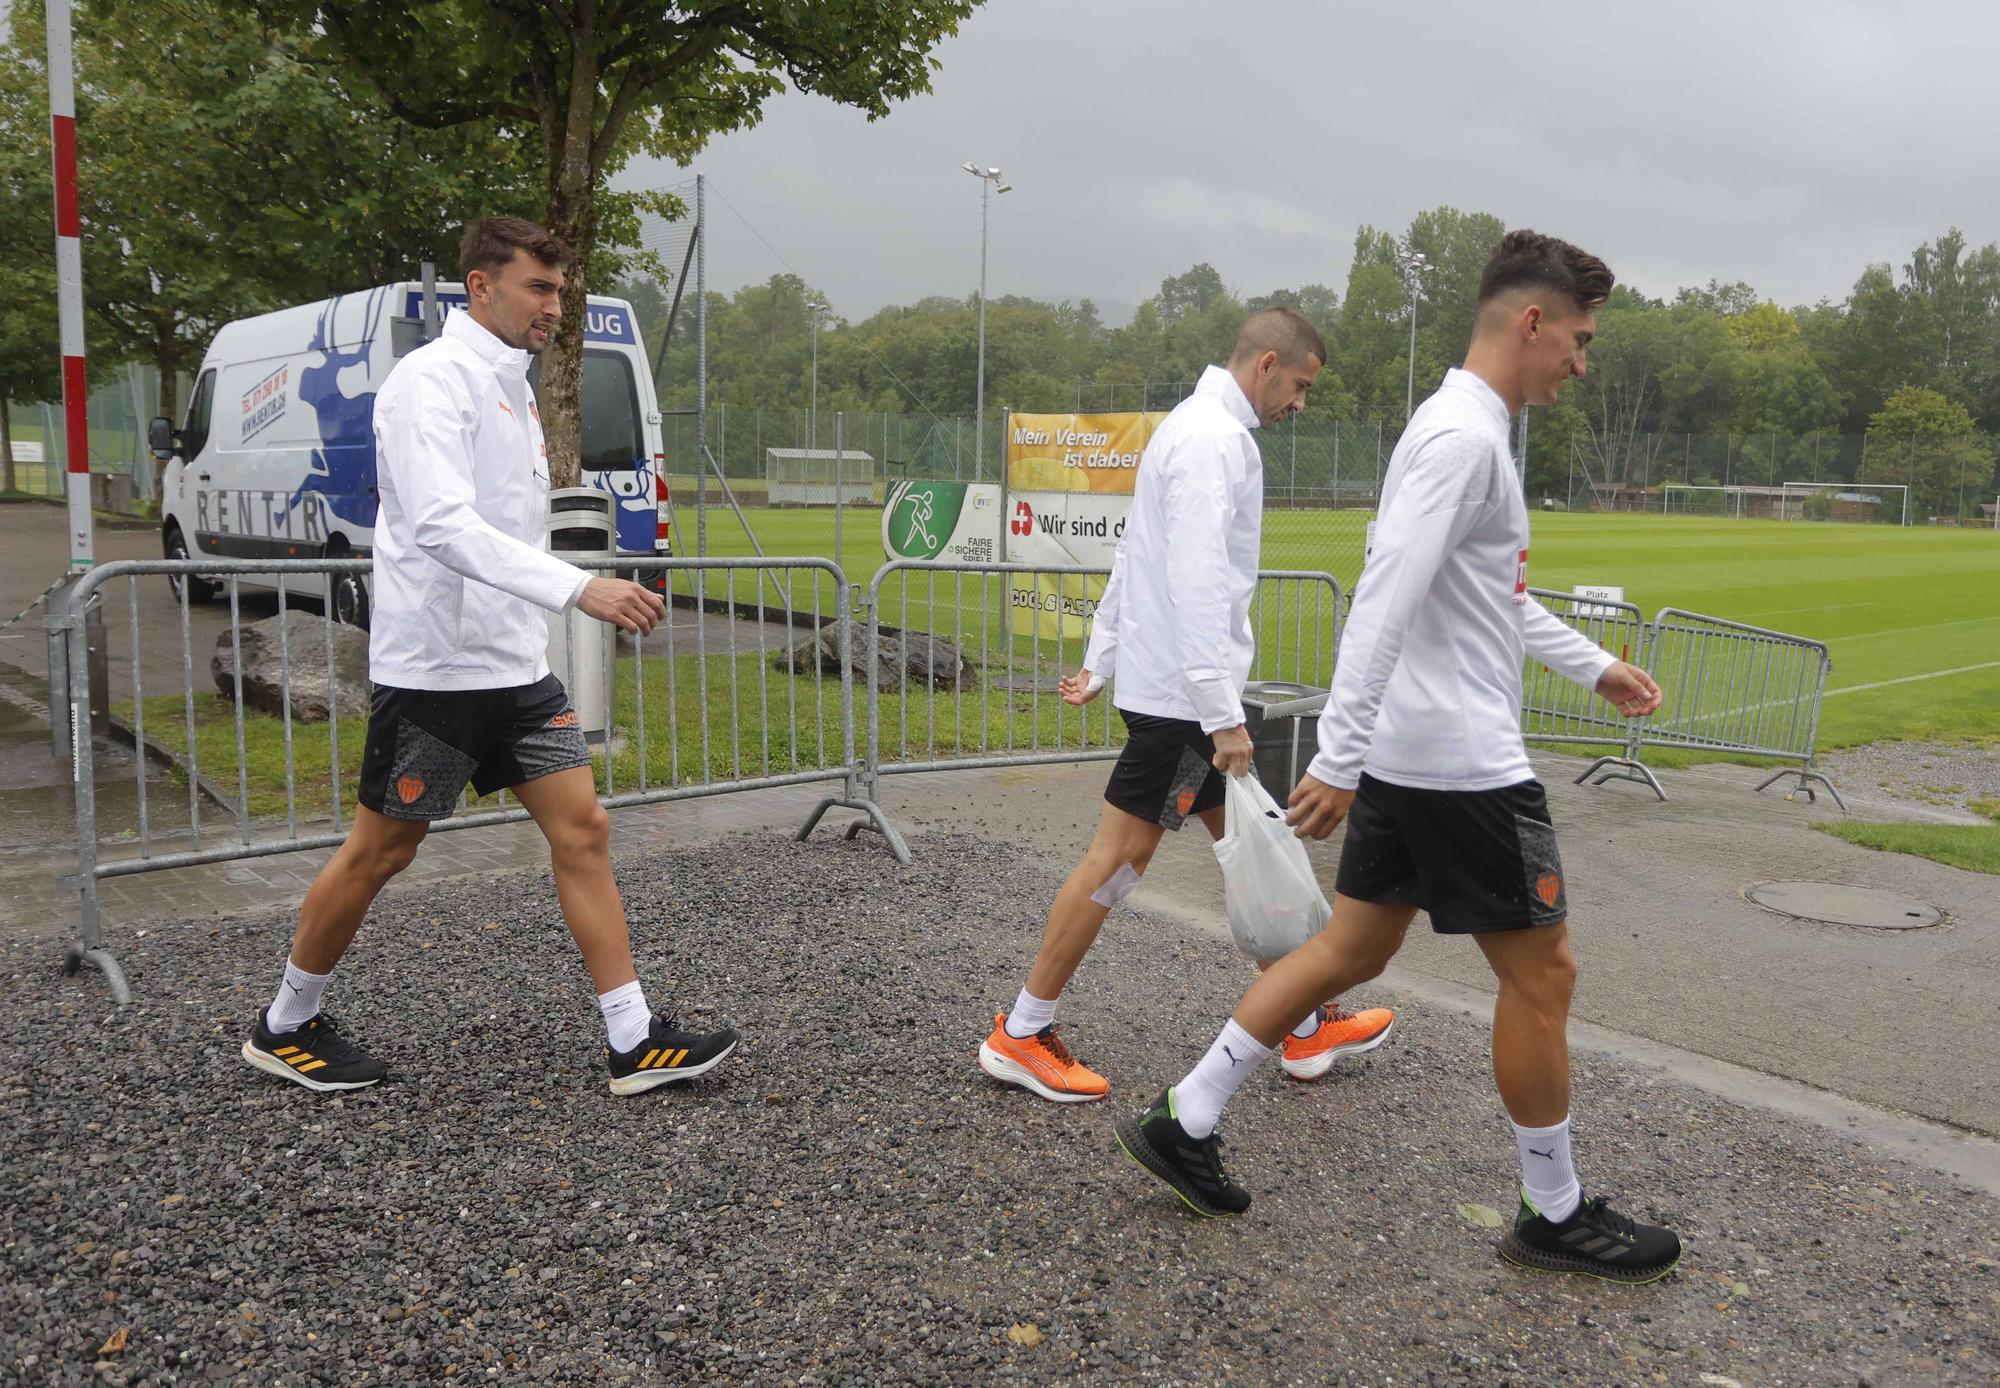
<point>1841,905</point>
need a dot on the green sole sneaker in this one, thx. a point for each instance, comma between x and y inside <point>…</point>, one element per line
<point>1190,1167</point>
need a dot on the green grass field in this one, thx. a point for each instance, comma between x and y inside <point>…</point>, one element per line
<point>1916,605</point>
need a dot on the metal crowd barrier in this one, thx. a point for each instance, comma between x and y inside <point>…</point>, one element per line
<point>1727,687</point>
<point>961,661</point>
<point>699,716</point>
<point>1005,634</point>
<point>1557,710</point>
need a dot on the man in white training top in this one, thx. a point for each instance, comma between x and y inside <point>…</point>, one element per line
<point>462,690</point>
<point>1173,629</point>
<point>1420,752</point>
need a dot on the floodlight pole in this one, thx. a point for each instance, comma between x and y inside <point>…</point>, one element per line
<point>816,307</point>
<point>988,177</point>
<point>1413,263</point>
<point>69,284</point>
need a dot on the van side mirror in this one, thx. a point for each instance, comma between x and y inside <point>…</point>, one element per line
<point>162,437</point>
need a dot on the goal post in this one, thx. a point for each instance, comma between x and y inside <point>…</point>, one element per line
<point>1863,503</point>
<point>1693,499</point>
<point>819,477</point>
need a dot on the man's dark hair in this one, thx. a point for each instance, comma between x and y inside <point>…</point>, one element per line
<point>490,243</point>
<point>1279,329</point>
<point>1529,260</point>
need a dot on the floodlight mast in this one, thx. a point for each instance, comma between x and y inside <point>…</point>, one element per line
<point>989,183</point>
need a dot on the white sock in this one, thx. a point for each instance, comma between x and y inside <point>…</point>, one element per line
<point>626,1016</point>
<point>1547,1174</point>
<point>1309,1028</point>
<point>298,999</point>
<point>1030,1015</point>
<point>1198,1099</point>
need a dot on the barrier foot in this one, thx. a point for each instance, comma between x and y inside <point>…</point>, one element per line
<point>1806,778</point>
<point>1621,769</point>
<point>76,956</point>
<point>876,821</point>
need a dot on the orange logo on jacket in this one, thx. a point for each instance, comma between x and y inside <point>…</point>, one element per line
<point>409,787</point>
<point>564,720</point>
<point>1186,801</point>
<point>1548,887</point>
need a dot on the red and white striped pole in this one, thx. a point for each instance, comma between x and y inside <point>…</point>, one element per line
<point>69,283</point>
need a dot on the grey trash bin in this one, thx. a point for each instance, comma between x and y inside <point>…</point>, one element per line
<point>581,524</point>
<point>1282,719</point>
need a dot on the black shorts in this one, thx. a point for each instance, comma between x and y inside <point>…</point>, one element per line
<point>427,745</point>
<point>1166,772</point>
<point>1476,860</point>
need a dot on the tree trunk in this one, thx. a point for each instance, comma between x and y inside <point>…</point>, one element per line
<point>569,119</point>
<point>572,219</point>
<point>6,445</point>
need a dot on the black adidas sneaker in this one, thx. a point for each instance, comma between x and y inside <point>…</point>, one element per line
<point>316,1056</point>
<point>1191,1165</point>
<point>668,1055</point>
<point>1595,1240</point>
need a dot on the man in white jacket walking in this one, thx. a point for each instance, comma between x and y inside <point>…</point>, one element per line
<point>1420,752</point>
<point>457,655</point>
<point>1173,630</point>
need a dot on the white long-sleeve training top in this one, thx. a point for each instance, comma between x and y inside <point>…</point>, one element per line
<point>461,581</point>
<point>1427,687</point>
<point>1173,627</point>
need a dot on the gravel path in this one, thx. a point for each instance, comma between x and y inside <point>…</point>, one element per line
<point>1939,774</point>
<point>849,1200</point>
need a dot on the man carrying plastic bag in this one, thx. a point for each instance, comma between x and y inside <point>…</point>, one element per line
<point>1174,627</point>
<point>1420,752</point>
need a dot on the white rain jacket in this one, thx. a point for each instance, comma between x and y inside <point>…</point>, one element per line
<point>1427,688</point>
<point>462,583</point>
<point>1173,627</point>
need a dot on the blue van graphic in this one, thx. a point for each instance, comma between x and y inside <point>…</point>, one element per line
<point>343,466</point>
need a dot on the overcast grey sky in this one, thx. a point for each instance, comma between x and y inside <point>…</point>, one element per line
<point>1788,144</point>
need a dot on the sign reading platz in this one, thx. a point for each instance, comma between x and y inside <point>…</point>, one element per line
<point>1070,479</point>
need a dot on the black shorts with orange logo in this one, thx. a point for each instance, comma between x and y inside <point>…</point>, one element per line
<point>426,745</point>
<point>1166,771</point>
<point>1476,860</point>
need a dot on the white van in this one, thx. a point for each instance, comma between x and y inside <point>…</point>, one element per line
<point>276,459</point>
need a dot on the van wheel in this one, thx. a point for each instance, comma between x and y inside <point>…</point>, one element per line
<point>349,603</point>
<point>199,590</point>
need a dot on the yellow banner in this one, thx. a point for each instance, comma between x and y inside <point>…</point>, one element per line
<point>1078,452</point>
<point>1070,479</point>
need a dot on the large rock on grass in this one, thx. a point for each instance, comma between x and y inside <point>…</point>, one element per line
<point>264,667</point>
<point>911,656</point>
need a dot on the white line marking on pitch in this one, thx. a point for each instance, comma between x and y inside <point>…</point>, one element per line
<point>1926,626</point>
<point>1912,679</point>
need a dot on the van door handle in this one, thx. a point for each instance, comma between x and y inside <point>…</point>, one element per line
<point>202,475</point>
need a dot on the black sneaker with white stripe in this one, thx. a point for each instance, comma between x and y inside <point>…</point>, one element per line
<point>668,1055</point>
<point>1191,1166</point>
<point>1595,1240</point>
<point>316,1056</point>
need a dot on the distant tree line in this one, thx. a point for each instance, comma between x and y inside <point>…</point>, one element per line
<point>1912,353</point>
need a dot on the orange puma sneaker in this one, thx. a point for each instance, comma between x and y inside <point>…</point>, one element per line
<point>1040,1064</point>
<point>1340,1033</point>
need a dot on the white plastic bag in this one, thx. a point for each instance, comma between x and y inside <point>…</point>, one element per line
<point>1274,903</point>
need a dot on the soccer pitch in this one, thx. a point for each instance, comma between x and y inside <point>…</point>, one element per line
<point>1911,615</point>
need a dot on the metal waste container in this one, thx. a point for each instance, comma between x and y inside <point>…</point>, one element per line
<point>1282,719</point>
<point>581,524</point>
